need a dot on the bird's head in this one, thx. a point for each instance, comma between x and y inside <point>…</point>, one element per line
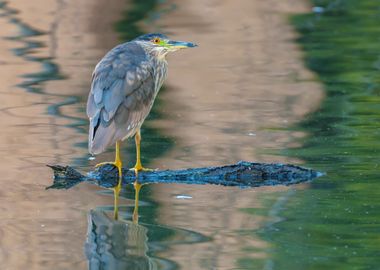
<point>160,45</point>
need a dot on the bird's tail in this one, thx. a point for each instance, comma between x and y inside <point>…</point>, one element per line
<point>100,135</point>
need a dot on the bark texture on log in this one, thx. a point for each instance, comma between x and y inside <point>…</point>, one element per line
<point>242,174</point>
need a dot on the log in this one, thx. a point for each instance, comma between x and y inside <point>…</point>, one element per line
<point>242,174</point>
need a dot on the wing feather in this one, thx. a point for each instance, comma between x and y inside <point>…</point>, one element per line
<point>120,82</point>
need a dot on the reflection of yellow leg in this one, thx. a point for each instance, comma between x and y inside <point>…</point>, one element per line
<point>119,166</point>
<point>116,192</point>
<point>138,167</point>
<point>135,216</point>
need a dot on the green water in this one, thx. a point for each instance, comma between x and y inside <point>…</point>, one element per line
<point>336,223</point>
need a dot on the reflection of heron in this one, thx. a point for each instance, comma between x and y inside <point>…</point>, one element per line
<point>124,85</point>
<point>113,245</point>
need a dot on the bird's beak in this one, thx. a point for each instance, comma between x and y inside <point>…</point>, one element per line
<point>177,45</point>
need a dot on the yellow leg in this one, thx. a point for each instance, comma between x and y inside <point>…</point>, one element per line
<point>135,216</point>
<point>116,190</point>
<point>138,165</point>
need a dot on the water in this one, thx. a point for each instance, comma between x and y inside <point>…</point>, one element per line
<point>339,227</point>
<point>238,96</point>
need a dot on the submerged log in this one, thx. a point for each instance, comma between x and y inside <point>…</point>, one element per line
<point>243,174</point>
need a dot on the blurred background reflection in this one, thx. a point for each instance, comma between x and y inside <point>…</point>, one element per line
<point>229,100</point>
<point>244,94</point>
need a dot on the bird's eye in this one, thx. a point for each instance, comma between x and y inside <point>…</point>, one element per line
<point>156,40</point>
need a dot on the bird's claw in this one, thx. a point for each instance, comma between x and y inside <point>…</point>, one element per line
<point>147,170</point>
<point>139,168</point>
<point>105,163</point>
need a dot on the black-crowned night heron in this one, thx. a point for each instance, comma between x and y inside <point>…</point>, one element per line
<point>124,85</point>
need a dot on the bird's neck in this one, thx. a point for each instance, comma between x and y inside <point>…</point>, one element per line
<point>159,58</point>
<point>158,55</point>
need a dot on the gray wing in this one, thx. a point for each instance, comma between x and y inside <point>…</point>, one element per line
<point>122,92</point>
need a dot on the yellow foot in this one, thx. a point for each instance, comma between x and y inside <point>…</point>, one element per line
<point>117,164</point>
<point>106,163</point>
<point>139,167</point>
<point>141,170</point>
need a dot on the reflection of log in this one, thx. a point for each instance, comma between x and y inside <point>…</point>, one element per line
<point>242,174</point>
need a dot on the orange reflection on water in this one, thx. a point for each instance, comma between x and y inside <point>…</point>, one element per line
<point>40,229</point>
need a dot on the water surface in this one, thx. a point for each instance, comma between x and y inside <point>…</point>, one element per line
<point>245,93</point>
